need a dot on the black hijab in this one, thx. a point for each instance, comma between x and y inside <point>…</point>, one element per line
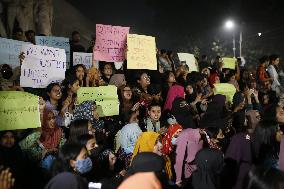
<point>209,165</point>
<point>182,114</point>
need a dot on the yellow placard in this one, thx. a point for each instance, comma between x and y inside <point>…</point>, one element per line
<point>18,110</point>
<point>141,52</point>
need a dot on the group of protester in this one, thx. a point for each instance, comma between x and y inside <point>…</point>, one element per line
<point>172,131</point>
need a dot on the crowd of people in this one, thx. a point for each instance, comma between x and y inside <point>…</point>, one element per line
<point>172,131</point>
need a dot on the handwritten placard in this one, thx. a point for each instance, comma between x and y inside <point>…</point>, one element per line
<point>229,63</point>
<point>141,52</point>
<point>10,51</point>
<point>56,42</point>
<point>83,58</point>
<point>18,110</point>
<point>190,61</point>
<point>105,96</point>
<point>42,65</point>
<point>226,89</point>
<point>110,43</point>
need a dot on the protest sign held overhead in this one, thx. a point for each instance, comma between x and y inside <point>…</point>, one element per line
<point>18,110</point>
<point>226,89</point>
<point>42,65</point>
<point>141,52</point>
<point>10,50</point>
<point>110,43</point>
<point>229,63</point>
<point>83,58</point>
<point>56,42</point>
<point>190,61</point>
<point>105,96</point>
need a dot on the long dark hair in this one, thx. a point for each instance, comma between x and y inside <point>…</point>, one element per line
<point>77,128</point>
<point>67,153</point>
<point>264,178</point>
<point>264,141</point>
<point>74,70</point>
<point>69,80</point>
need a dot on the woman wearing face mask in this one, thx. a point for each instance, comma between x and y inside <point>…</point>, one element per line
<point>72,158</point>
<point>89,141</point>
<point>169,140</point>
<point>152,142</point>
<point>110,168</point>
<point>88,110</point>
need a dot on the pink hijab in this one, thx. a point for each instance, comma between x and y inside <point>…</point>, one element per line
<point>188,144</point>
<point>174,91</point>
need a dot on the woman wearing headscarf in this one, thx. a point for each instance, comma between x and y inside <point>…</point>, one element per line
<point>60,181</point>
<point>118,80</point>
<point>174,92</point>
<point>152,142</point>
<point>88,110</point>
<point>40,145</point>
<point>169,140</point>
<point>188,144</point>
<point>238,159</point>
<point>149,165</point>
<point>51,138</point>
<point>182,112</point>
<point>209,164</point>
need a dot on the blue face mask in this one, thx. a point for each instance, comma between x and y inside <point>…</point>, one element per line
<point>174,141</point>
<point>84,166</point>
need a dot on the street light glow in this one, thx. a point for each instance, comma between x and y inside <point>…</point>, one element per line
<point>229,24</point>
<point>259,34</point>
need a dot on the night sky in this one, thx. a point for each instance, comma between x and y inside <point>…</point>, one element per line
<point>177,24</point>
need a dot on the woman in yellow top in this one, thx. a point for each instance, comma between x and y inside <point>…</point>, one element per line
<point>152,142</point>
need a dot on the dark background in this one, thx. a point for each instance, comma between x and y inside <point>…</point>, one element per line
<point>182,24</point>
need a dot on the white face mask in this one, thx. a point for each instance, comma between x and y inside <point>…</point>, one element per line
<point>174,141</point>
<point>118,65</point>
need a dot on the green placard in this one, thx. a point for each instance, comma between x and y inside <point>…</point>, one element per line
<point>226,89</point>
<point>105,96</point>
<point>19,110</point>
<point>229,63</point>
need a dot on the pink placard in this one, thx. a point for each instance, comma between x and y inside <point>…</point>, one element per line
<point>110,43</point>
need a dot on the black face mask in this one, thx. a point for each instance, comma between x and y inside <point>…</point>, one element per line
<point>6,73</point>
<point>95,152</point>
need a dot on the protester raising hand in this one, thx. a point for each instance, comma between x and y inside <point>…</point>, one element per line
<point>6,179</point>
